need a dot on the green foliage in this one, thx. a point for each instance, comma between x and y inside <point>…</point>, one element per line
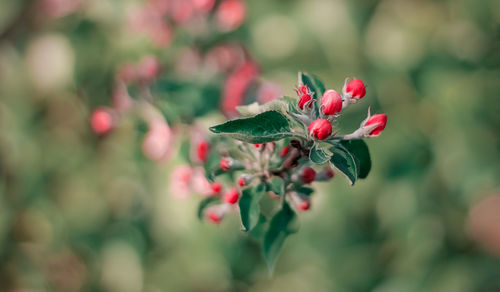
<point>281,226</point>
<point>265,127</point>
<point>277,185</point>
<point>360,153</point>
<point>345,163</point>
<point>318,155</point>
<point>249,206</point>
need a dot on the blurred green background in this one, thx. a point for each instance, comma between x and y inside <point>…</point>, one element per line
<point>83,213</point>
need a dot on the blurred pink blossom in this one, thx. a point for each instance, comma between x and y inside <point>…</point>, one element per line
<point>230,14</point>
<point>180,179</point>
<point>483,223</point>
<point>59,8</point>
<point>268,91</point>
<point>236,86</point>
<point>157,143</point>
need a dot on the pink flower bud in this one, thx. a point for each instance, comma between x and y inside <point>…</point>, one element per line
<point>308,175</point>
<point>216,188</point>
<point>380,120</point>
<point>245,179</point>
<point>356,89</point>
<point>331,102</point>
<point>320,129</point>
<point>230,14</point>
<point>158,141</point>
<point>216,213</point>
<point>101,121</point>
<point>214,217</point>
<point>202,151</point>
<point>180,181</point>
<point>225,163</point>
<point>231,196</point>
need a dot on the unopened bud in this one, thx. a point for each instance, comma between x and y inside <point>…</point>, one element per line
<point>232,196</point>
<point>320,129</point>
<point>245,179</point>
<point>300,201</point>
<point>101,121</point>
<point>307,175</point>
<point>202,151</point>
<point>380,120</point>
<point>326,174</point>
<point>331,102</point>
<point>216,188</point>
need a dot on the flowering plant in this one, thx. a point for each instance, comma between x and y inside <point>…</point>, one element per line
<point>276,150</point>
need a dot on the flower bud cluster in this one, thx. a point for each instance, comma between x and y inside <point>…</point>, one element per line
<point>320,123</point>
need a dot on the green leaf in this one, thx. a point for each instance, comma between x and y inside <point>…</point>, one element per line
<point>304,190</point>
<point>320,87</point>
<point>317,155</point>
<point>204,204</point>
<point>259,229</point>
<point>282,225</point>
<point>344,162</point>
<point>361,154</point>
<point>249,206</point>
<point>277,185</point>
<point>265,127</point>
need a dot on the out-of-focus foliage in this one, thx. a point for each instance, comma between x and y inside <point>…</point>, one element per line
<point>81,212</point>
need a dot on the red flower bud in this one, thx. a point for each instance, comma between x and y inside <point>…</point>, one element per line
<point>300,201</point>
<point>331,102</point>
<point>320,129</point>
<point>225,163</point>
<point>304,95</point>
<point>381,120</point>
<point>231,196</point>
<point>241,182</point>
<point>216,188</point>
<point>285,151</point>
<point>214,217</point>
<point>308,175</point>
<point>202,151</point>
<point>305,205</point>
<point>101,121</point>
<point>328,171</point>
<point>356,88</point>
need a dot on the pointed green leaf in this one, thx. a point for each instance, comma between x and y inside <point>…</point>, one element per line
<point>361,154</point>
<point>277,185</point>
<point>265,127</point>
<point>282,225</point>
<point>249,206</point>
<point>344,162</point>
<point>304,190</point>
<point>204,204</point>
<point>317,155</point>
